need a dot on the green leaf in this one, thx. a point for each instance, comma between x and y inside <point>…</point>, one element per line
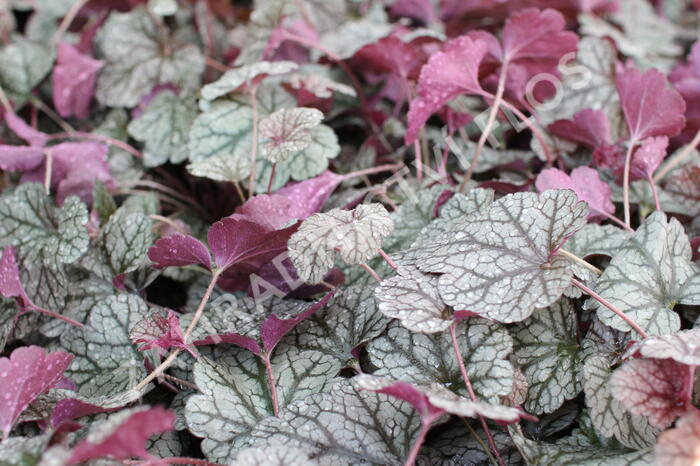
<point>138,57</point>
<point>29,221</point>
<point>23,65</point>
<point>102,202</point>
<point>648,276</point>
<point>356,235</point>
<point>235,396</point>
<point>349,320</point>
<point>106,363</point>
<point>499,261</point>
<point>164,128</point>
<point>608,415</point>
<point>237,77</point>
<point>413,298</point>
<point>345,426</point>
<point>424,359</point>
<point>414,214</point>
<point>547,351</point>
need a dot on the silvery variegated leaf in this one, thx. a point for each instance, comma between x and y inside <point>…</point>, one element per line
<point>414,214</point>
<point>605,341</point>
<point>123,243</point>
<point>234,393</point>
<point>345,40</point>
<point>8,313</point>
<point>645,36</point>
<point>683,347</point>
<point>164,128</point>
<point>39,230</point>
<point>83,296</point>
<point>288,131</point>
<point>649,275</point>
<point>165,445</point>
<point>455,445</point>
<point>23,451</point>
<point>235,78</point>
<point>135,60</point>
<point>607,414</point>
<point>541,453</point>
<point>499,262</point>
<point>412,297</point>
<point>349,320</point>
<point>594,239</point>
<point>106,363</point>
<point>219,141</point>
<point>345,426</point>
<point>587,83</point>
<point>423,359</point>
<point>23,64</point>
<point>490,158</point>
<point>301,165</point>
<point>355,235</point>
<point>547,351</point>
<point>455,209</point>
<point>273,456</point>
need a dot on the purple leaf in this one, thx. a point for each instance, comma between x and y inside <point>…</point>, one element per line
<point>651,108</point>
<point>179,251</point>
<point>232,240</point>
<point>33,137</point>
<point>127,439</point>
<point>161,333</point>
<point>537,35</point>
<point>26,374</point>
<point>10,283</point>
<point>392,55</point>
<point>588,127</point>
<point>75,168</point>
<point>659,389</point>
<point>648,157</point>
<point>273,328</point>
<point>587,185</point>
<point>296,201</point>
<point>74,81</point>
<point>20,158</point>
<point>449,73</point>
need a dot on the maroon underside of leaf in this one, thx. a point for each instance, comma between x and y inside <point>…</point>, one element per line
<point>179,251</point>
<point>128,439</point>
<point>74,79</point>
<point>26,374</point>
<point>659,389</point>
<point>587,185</point>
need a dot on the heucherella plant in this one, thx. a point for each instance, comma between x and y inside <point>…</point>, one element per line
<point>371,232</point>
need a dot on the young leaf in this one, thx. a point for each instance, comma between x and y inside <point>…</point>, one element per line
<point>607,414</point>
<point>343,426</point>
<point>235,396</point>
<point>425,359</point>
<point>179,251</point>
<point>288,131</point>
<point>678,446</point>
<point>249,75</point>
<point>160,332</point>
<point>683,347</point>
<point>135,61</point>
<point>448,73</point>
<point>164,128</point>
<point>648,276</point>
<point>431,402</point>
<point>413,298</point>
<point>547,351</point>
<point>499,262</point>
<point>73,80</point>
<point>587,185</point>
<point>648,157</point>
<point>31,223</point>
<point>123,435</point>
<point>588,127</point>
<point>26,374</point>
<point>650,107</point>
<point>106,362</point>
<point>656,388</point>
<point>355,235</point>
